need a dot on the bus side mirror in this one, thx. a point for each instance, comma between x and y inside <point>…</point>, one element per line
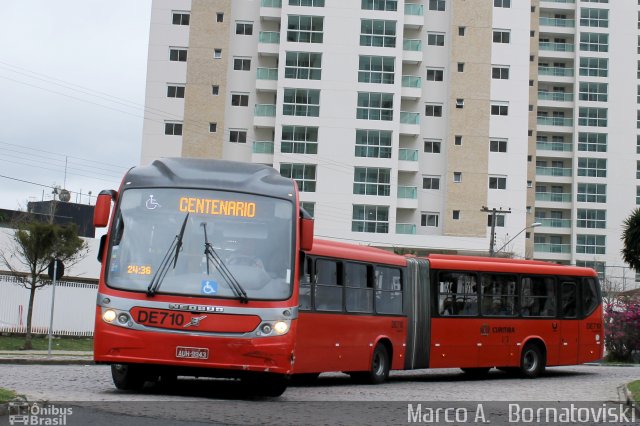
<point>102,209</point>
<point>306,234</point>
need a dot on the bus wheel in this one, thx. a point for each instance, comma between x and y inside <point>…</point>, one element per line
<point>476,372</point>
<point>127,377</point>
<point>380,364</point>
<point>532,362</point>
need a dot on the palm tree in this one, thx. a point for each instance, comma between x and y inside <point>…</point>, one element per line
<point>631,240</point>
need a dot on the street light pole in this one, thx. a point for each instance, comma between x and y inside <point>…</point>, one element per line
<point>533,225</point>
<point>494,212</point>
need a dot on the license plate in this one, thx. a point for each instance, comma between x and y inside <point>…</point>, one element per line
<point>192,353</point>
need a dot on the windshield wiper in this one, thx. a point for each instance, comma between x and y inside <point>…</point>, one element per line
<point>173,251</point>
<point>226,274</point>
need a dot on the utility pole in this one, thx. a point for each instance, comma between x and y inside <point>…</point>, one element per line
<point>494,213</point>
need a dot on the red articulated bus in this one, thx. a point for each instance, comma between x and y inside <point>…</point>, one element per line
<point>209,268</point>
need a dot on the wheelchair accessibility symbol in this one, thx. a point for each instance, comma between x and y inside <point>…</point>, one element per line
<point>151,203</point>
<point>209,287</point>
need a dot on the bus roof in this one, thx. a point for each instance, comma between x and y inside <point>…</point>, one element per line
<point>211,174</point>
<point>488,259</point>
<point>356,252</point>
<point>473,263</point>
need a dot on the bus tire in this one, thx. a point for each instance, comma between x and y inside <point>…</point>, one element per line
<point>476,372</point>
<point>532,362</point>
<point>380,365</point>
<point>127,376</point>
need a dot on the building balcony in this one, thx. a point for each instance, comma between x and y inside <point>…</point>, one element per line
<point>555,121</point>
<point>551,248</point>
<point>556,50</point>
<point>411,87</point>
<point>264,115</point>
<point>405,228</point>
<point>407,197</point>
<point>413,15</point>
<point>554,146</point>
<point>408,160</point>
<point>553,223</point>
<point>557,23</point>
<point>262,152</point>
<point>555,74</point>
<point>269,43</point>
<point>553,171</point>
<point>558,4</point>
<point>412,51</point>
<point>557,200</point>
<point>555,96</point>
<point>409,123</point>
<point>270,9</point>
<point>267,79</point>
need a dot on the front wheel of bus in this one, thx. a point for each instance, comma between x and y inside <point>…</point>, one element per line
<point>380,364</point>
<point>127,377</point>
<point>532,362</point>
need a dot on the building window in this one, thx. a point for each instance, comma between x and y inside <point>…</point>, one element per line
<point>497,182</point>
<point>592,142</point>
<point>592,17</point>
<point>180,18</point>
<point>500,72</point>
<point>460,66</point>
<point>303,65</point>
<point>371,181</point>
<point>594,92</point>
<point>219,17</point>
<point>457,177</point>
<point>244,28</point>
<point>592,193</point>
<point>373,143</point>
<point>308,3</point>
<point>594,42</point>
<point>373,219</point>
<point>433,110</point>
<point>301,102</point>
<point>175,91</point>
<point>592,167</point>
<point>455,215</point>
<point>309,207</point>
<point>594,67</point>
<point>438,5</point>
<point>431,182</point>
<point>375,106</point>
<point>429,219</point>
<point>593,117</point>
<point>215,90</point>
<point>388,5</point>
<point>501,36</point>
<point>459,103</point>
<point>303,174</point>
<point>238,99</point>
<point>432,146</point>
<point>498,145</point>
<point>217,53</point>
<point>377,33</point>
<point>499,220</point>
<point>638,195</point>
<point>173,128</point>
<point>435,74</point>
<point>213,127</point>
<point>178,54</point>
<point>435,39</point>
<point>457,140</point>
<point>590,244</point>
<point>305,29</point>
<point>299,140</point>
<point>237,136</point>
<point>242,64</point>
<point>594,219</point>
<point>461,31</point>
<point>499,109</point>
<point>376,69</point>
<point>501,3</point>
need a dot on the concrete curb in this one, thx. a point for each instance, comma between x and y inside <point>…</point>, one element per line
<point>629,400</point>
<point>46,361</point>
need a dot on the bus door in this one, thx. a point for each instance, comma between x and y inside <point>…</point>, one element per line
<point>569,324</point>
<point>417,306</point>
<point>591,332</point>
<point>455,330</point>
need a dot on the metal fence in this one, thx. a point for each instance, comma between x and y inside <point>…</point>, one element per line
<point>73,314</point>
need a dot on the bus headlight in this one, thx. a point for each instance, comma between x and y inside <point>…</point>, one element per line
<point>281,327</point>
<point>109,315</point>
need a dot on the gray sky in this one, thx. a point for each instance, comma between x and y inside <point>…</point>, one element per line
<point>72,82</point>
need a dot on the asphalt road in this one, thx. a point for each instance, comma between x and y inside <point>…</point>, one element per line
<point>333,399</point>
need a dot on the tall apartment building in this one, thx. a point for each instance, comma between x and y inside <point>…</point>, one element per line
<point>405,123</point>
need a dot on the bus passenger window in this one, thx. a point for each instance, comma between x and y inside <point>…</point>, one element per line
<point>304,300</point>
<point>359,295</point>
<point>457,294</point>
<point>498,295</point>
<point>538,297</point>
<point>589,296</point>
<point>568,299</point>
<point>388,290</point>
<point>328,288</point>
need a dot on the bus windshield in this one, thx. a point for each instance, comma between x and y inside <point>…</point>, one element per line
<point>249,250</point>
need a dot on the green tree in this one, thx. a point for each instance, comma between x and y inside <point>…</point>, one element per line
<point>34,245</point>
<point>631,240</point>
